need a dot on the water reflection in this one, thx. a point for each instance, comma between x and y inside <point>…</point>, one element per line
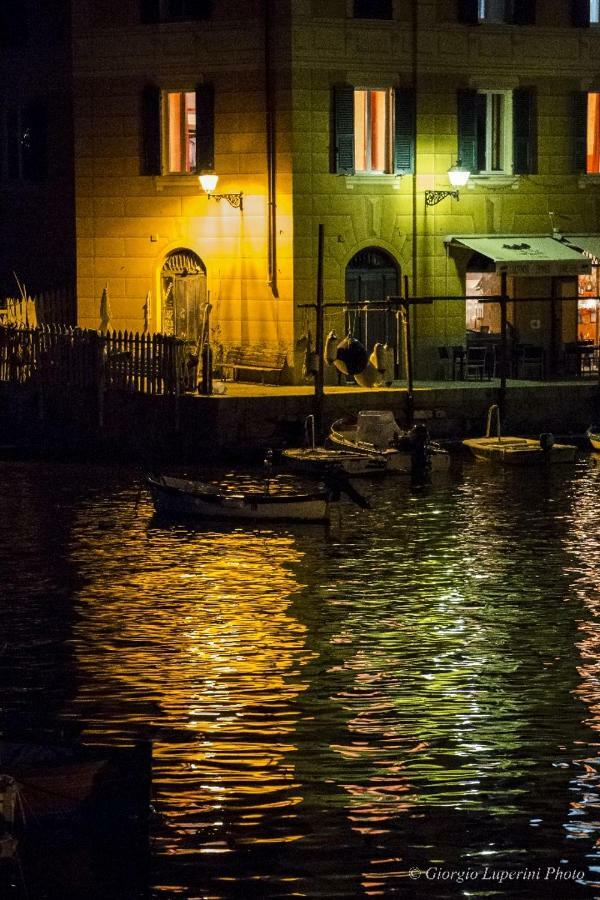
<point>417,686</point>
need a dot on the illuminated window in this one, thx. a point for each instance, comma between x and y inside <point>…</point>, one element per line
<point>495,11</point>
<point>496,129</point>
<point>594,12</point>
<point>181,131</point>
<point>372,131</point>
<point>593,134</point>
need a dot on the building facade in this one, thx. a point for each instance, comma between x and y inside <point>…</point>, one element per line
<point>344,113</point>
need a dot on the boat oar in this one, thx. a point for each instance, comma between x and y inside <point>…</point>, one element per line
<point>340,484</point>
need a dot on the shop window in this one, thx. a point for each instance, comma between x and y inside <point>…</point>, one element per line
<point>587,307</point>
<point>373,131</point>
<point>372,9</point>
<point>176,10</point>
<point>178,130</point>
<point>497,131</point>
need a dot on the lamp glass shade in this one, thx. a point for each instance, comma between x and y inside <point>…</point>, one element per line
<point>208,181</point>
<point>458,175</point>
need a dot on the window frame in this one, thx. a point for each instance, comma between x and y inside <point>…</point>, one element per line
<point>388,149</point>
<point>165,124</point>
<point>506,132</point>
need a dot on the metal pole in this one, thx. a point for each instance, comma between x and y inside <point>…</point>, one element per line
<point>319,373</point>
<point>410,400</point>
<point>503,344</point>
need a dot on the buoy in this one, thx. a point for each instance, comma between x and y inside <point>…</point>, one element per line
<point>369,376</point>
<point>377,358</point>
<point>351,357</point>
<point>330,348</point>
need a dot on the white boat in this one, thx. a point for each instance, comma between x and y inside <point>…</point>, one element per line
<point>376,434</point>
<point>198,499</point>
<point>518,451</point>
<point>593,435</point>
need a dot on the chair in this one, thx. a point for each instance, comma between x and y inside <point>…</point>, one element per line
<point>476,364</point>
<point>444,358</point>
<point>531,361</point>
<point>458,362</point>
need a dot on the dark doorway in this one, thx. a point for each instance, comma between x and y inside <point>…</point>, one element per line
<point>371,276</point>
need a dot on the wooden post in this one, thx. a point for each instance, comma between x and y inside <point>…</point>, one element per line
<point>319,373</point>
<point>410,399</point>
<point>206,356</point>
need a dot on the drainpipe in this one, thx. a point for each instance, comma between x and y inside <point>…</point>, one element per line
<point>415,81</point>
<point>271,162</point>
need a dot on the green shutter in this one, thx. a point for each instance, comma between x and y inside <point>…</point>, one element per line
<point>404,131</point>
<point>205,127</point>
<point>580,13</point>
<point>150,108</point>
<point>468,129</point>
<point>467,12</point>
<point>34,142</point>
<point>524,12</point>
<point>343,119</point>
<point>524,131</point>
<point>580,114</point>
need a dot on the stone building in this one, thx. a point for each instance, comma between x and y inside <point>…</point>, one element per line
<point>346,113</point>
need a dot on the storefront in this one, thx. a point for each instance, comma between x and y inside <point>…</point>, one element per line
<point>542,277</point>
<point>588,288</point>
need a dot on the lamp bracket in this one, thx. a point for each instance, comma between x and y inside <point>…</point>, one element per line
<point>235,200</point>
<point>434,197</point>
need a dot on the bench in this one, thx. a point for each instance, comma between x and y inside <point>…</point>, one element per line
<point>254,360</point>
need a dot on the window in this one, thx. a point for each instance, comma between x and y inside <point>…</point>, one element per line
<point>26,157</point>
<point>593,134</point>
<point>372,9</point>
<point>595,12</point>
<point>507,12</point>
<point>495,11</point>
<point>180,131</point>
<point>13,23</point>
<point>497,131</point>
<point>177,130</point>
<point>374,130</point>
<point>176,10</point>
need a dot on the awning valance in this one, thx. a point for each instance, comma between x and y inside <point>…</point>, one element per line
<point>517,254</point>
<point>587,243</point>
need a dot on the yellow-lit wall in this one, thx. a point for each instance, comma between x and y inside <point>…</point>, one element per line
<point>126,222</point>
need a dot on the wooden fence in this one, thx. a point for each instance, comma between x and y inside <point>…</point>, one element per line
<point>51,307</point>
<point>56,355</point>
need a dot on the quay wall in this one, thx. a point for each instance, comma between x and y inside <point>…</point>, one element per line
<point>200,429</point>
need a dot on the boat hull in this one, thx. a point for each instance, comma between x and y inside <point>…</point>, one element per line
<point>320,460</point>
<point>189,499</point>
<point>594,438</point>
<point>399,462</point>
<point>514,451</point>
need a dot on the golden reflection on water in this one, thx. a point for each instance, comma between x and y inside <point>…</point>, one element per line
<point>214,657</point>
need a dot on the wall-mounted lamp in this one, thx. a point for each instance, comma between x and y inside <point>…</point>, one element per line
<point>457,176</point>
<point>208,182</point>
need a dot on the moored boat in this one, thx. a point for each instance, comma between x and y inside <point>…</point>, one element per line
<point>197,499</point>
<point>376,434</point>
<point>593,435</point>
<point>518,451</point>
<point>320,460</point>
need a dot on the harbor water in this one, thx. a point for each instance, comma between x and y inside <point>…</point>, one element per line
<point>405,703</point>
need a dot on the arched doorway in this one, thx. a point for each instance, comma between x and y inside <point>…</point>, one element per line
<point>371,276</point>
<point>183,294</point>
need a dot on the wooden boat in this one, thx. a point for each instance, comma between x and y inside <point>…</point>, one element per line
<point>198,499</point>
<point>376,434</point>
<point>593,435</point>
<point>319,461</point>
<point>518,451</point>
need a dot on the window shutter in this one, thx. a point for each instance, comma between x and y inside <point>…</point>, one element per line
<point>151,155</point>
<point>205,127</point>
<point>150,11</point>
<point>524,12</point>
<point>580,114</point>
<point>524,131</point>
<point>580,13</point>
<point>468,108</point>
<point>343,116</point>
<point>404,131</point>
<point>468,12</point>
<point>34,142</point>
